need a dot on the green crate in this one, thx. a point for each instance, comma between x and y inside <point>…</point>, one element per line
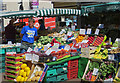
<point>2,65</point>
<point>52,67</point>
<point>51,79</point>
<point>62,65</point>
<point>82,63</point>
<point>2,58</point>
<point>10,50</point>
<point>17,49</point>
<point>2,51</point>
<point>62,78</point>
<point>2,70</point>
<point>62,70</point>
<point>51,73</point>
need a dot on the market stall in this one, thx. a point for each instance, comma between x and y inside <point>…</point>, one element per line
<point>68,54</point>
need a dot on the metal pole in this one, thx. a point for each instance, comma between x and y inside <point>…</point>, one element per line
<point>79,17</point>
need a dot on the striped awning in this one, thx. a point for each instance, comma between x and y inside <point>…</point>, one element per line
<point>13,14</point>
<point>40,13</point>
<point>56,12</point>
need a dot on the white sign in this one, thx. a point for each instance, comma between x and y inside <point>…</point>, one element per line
<point>88,31</point>
<point>28,56</point>
<point>73,28</point>
<point>35,58</point>
<point>29,49</point>
<point>9,42</point>
<point>95,71</point>
<point>69,33</point>
<point>82,31</point>
<point>110,57</point>
<point>97,31</point>
<point>48,51</point>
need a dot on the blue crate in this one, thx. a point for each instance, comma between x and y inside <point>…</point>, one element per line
<point>2,51</point>
<point>62,78</point>
<point>51,73</point>
<point>62,70</point>
<point>51,79</point>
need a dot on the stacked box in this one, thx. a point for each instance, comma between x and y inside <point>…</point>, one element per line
<point>12,65</point>
<point>57,73</point>
<point>72,69</point>
<point>2,63</point>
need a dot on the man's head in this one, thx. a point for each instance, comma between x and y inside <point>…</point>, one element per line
<point>31,22</point>
<point>12,21</point>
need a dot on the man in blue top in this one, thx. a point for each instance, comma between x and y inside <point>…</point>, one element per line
<point>28,34</point>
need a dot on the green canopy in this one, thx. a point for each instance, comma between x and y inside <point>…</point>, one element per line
<point>112,6</point>
<point>40,13</point>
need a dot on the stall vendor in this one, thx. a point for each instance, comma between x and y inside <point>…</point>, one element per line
<point>28,35</point>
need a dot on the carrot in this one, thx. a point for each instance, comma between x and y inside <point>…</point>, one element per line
<point>93,78</point>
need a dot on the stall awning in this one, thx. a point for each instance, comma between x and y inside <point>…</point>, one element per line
<point>112,6</point>
<point>56,12</point>
<point>40,13</point>
<point>12,14</point>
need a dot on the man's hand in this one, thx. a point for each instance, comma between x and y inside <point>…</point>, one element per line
<point>21,35</point>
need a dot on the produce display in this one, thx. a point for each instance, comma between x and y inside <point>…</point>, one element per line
<point>90,75</point>
<point>107,70</point>
<point>98,41</point>
<point>91,39</point>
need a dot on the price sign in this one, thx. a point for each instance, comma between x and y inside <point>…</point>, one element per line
<point>69,33</point>
<point>95,71</point>
<point>88,31</point>
<point>35,58</point>
<point>73,28</point>
<point>29,49</point>
<point>97,31</point>
<point>111,57</point>
<point>82,31</point>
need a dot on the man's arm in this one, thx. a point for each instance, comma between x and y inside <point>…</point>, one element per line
<point>21,35</point>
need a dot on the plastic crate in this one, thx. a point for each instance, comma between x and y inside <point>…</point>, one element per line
<point>52,67</point>
<point>10,50</point>
<point>62,78</point>
<point>73,64</point>
<point>82,63</point>
<point>51,79</point>
<point>2,70</point>
<point>72,73</point>
<point>17,49</point>
<point>51,73</point>
<point>2,58</point>
<point>62,70</point>
<point>2,65</point>
<point>62,65</point>
<point>2,51</point>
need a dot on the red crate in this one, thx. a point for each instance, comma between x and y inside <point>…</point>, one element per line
<point>72,64</point>
<point>72,73</point>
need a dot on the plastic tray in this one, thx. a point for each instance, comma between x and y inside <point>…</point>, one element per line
<point>62,77</point>
<point>62,70</point>
<point>51,73</point>
<point>51,79</point>
<point>2,51</point>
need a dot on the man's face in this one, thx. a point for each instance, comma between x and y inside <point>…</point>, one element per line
<point>31,24</point>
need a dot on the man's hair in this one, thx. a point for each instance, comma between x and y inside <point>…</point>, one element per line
<point>31,19</point>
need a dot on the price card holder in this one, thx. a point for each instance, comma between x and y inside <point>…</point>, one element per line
<point>97,31</point>
<point>73,28</point>
<point>28,56</point>
<point>29,49</point>
<point>35,58</point>
<point>69,33</point>
<point>88,31</point>
<point>110,57</point>
<point>95,71</point>
<point>82,31</point>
